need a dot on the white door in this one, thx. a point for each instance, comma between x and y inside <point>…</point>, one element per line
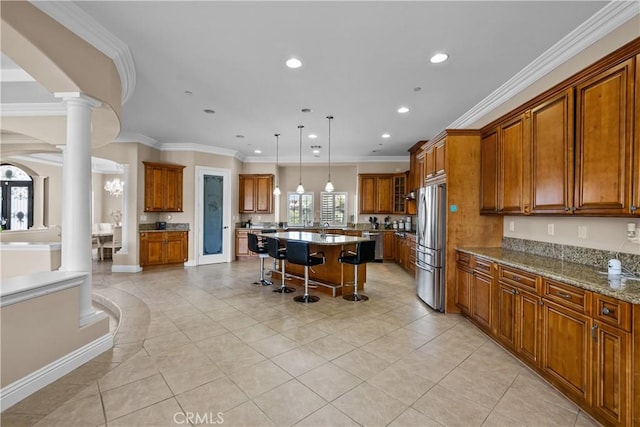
<point>213,207</point>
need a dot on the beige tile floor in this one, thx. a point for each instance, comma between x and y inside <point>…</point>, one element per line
<point>201,345</point>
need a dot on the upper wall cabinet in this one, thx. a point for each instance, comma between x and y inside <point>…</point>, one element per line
<point>256,194</point>
<point>376,193</point>
<point>162,187</point>
<point>604,112</point>
<point>573,150</point>
<point>552,155</point>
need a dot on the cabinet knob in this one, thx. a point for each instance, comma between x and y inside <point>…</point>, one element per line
<point>563,295</point>
<point>566,208</point>
<point>633,208</point>
<point>606,311</point>
<point>594,334</point>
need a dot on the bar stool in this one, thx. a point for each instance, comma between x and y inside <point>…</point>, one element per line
<point>279,253</point>
<point>259,247</point>
<point>298,253</point>
<point>365,252</point>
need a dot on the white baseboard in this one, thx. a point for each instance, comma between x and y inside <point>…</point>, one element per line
<point>126,268</point>
<point>190,263</point>
<point>24,387</point>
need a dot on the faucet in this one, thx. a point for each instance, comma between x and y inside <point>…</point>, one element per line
<point>323,230</point>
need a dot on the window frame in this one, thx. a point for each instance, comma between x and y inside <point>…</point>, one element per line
<point>309,216</point>
<point>332,221</point>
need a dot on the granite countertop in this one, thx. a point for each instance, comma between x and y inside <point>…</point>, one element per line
<point>171,226</point>
<point>316,238</point>
<point>582,276</point>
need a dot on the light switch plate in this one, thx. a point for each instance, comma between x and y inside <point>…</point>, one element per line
<point>550,229</point>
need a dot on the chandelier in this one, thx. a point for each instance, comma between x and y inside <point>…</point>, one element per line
<point>115,187</point>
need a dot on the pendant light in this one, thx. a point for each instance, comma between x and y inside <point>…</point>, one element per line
<point>329,187</point>
<point>300,188</point>
<point>276,192</point>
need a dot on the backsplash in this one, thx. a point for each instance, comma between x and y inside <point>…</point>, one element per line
<point>592,257</point>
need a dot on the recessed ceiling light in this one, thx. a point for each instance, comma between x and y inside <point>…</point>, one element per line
<point>403,110</point>
<point>209,111</point>
<point>293,63</point>
<point>386,135</point>
<point>312,136</point>
<point>438,58</point>
<point>257,151</point>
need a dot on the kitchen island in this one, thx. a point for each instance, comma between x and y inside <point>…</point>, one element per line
<point>332,276</point>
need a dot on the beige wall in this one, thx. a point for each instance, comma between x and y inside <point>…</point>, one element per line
<point>602,233</point>
<point>42,258</point>
<point>30,340</point>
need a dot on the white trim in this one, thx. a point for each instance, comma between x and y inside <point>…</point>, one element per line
<point>35,109</point>
<point>125,268</point>
<point>87,28</point>
<point>138,138</point>
<point>15,75</point>
<point>22,288</point>
<point>190,263</point>
<point>24,387</point>
<point>607,19</point>
<point>171,146</point>
<point>30,246</point>
<point>344,160</point>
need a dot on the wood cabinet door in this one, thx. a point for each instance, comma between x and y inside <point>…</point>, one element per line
<point>463,288</point>
<point>388,249</point>
<point>247,197</point>
<point>512,151</point>
<point>635,201</point>
<point>481,292</point>
<point>176,247</point>
<point>528,327</point>
<point>489,173</point>
<point>154,249</point>
<point>430,163</point>
<point>153,188</point>
<point>399,193</point>
<point>264,193</point>
<point>603,141</point>
<point>384,194</point>
<point>552,155</point>
<point>440,158</point>
<point>173,190</point>
<point>566,336</point>
<point>506,321</point>
<point>242,244</point>
<point>420,173</point>
<point>367,194</point>
<point>611,374</point>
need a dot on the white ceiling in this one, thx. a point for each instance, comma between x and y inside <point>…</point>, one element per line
<point>361,61</point>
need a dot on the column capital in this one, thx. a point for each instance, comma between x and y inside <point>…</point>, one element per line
<point>78,96</point>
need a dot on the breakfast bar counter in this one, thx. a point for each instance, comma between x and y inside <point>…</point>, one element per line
<point>332,276</point>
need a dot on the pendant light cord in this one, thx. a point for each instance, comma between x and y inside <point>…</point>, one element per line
<point>329,117</point>
<point>300,176</point>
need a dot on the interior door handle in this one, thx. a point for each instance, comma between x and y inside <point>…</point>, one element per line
<point>225,227</point>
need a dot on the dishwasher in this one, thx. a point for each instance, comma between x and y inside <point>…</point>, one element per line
<point>379,238</point>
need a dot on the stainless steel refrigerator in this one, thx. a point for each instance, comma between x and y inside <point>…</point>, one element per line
<point>430,245</point>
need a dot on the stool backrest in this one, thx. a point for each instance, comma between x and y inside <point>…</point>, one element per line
<point>273,246</point>
<point>366,251</point>
<point>252,240</point>
<point>298,252</point>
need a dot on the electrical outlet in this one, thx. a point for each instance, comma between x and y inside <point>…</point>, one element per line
<point>582,231</point>
<point>143,217</point>
<point>512,226</point>
<point>550,229</point>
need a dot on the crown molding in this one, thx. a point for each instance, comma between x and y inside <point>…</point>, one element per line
<point>202,149</point>
<point>343,161</point>
<point>129,137</point>
<point>84,26</point>
<point>34,109</point>
<point>607,19</point>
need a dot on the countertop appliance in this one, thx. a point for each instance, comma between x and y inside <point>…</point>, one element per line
<point>379,238</point>
<point>161,225</point>
<point>430,245</point>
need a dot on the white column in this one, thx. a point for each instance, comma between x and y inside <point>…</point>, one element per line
<point>38,201</point>
<point>76,195</point>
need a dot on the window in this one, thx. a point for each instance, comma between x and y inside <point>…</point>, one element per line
<point>17,198</point>
<point>300,209</point>
<point>333,208</point>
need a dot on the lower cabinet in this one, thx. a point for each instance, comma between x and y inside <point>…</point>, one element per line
<point>166,247</point>
<point>242,243</point>
<point>578,340</point>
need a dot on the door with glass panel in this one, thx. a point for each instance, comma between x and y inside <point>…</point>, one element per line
<point>17,199</point>
<point>213,207</point>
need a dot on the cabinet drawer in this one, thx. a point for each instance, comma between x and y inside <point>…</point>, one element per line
<point>518,278</point>
<point>568,296</point>
<point>463,259</point>
<point>612,311</point>
<point>482,266</point>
